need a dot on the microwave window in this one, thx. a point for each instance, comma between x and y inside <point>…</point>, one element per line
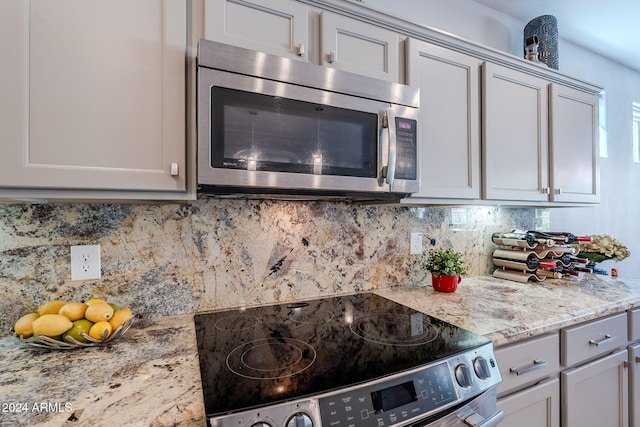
<point>261,132</point>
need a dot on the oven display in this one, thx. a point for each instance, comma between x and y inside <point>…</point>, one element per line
<point>393,397</point>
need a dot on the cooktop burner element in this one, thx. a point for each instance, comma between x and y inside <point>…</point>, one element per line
<point>300,354</point>
<point>271,358</point>
<point>395,329</point>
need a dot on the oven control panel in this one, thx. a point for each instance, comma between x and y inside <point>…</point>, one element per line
<point>416,394</point>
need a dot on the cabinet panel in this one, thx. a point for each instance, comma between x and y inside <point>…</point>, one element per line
<point>528,361</point>
<point>596,394</point>
<point>279,27</point>
<point>537,406</point>
<point>515,135</point>
<point>574,154</point>
<point>352,45</point>
<point>589,340</point>
<point>99,92</point>
<point>634,385</point>
<point>634,324</point>
<point>449,120</point>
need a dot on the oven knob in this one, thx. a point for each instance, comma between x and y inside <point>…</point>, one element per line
<point>481,366</point>
<point>300,419</point>
<point>463,375</point>
<point>261,424</point>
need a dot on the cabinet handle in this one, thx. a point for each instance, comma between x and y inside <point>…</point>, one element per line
<point>606,340</point>
<point>174,169</point>
<point>537,364</point>
<point>546,190</point>
<point>300,50</point>
<point>332,57</point>
<point>558,191</point>
<point>637,359</point>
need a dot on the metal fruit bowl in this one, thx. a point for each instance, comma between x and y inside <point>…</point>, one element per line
<point>71,343</point>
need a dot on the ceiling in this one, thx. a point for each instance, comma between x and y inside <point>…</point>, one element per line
<point>608,28</point>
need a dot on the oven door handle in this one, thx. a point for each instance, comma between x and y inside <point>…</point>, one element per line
<point>476,420</point>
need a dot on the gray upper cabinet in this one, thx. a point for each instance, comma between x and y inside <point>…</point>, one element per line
<point>515,135</point>
<point>573,143</point>
<point>353,45</point>
<point>93,98</point>
<point>449,120</point>
<point>279,27</point>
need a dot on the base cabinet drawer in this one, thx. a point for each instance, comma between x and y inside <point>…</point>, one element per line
<point>528,362</point>
<point>587,341</point>
<point>634,324</point>
<point>596,393</point>
<point>536,406</point>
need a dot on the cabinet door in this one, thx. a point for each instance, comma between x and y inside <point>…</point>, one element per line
<point>515,135</point>
<point>596,394</point>
<point>634,385</point>
<point>574,153</point>
<point>93,95</point>
<point>352,45</point>
<point>536,406</point>
<point>449,85</point>
<point>279,27</point>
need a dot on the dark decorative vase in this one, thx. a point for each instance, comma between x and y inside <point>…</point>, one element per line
<point>546,28</point>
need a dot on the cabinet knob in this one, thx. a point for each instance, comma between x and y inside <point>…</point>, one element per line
<point>300,50</point>
<point>332,57</point>
<point>174,169</point>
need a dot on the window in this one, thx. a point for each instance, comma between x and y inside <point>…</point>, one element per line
<point>602,119</point>
<point>636,132</point>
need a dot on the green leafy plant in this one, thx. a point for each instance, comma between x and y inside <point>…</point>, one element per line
<point>445,262</point>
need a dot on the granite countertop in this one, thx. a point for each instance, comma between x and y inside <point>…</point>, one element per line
<point>150,377</point>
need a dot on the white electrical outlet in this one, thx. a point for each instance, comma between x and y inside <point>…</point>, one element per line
<point>85,262</point>
<point>416,244</point>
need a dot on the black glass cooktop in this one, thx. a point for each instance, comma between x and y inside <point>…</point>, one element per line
<point>262,355</point>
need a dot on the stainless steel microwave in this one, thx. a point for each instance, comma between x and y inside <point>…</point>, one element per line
<point>269,125</point>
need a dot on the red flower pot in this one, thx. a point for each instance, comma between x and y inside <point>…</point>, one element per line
<point>445,283</point>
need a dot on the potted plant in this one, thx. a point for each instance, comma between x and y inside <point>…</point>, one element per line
<point>446,267</point>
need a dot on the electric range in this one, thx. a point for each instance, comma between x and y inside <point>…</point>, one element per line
<point>355,360</point>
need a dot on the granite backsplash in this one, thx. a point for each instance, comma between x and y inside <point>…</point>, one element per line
<point>164,259</point>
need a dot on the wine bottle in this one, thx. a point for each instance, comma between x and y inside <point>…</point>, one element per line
<point>522,239</point>
<point>567,238</point>
<point>520,260</point>
<point>568,259</point>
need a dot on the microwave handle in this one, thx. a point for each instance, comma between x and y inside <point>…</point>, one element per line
<point>391,134</point>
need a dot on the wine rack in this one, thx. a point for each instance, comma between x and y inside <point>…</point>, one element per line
<point>534,256</point>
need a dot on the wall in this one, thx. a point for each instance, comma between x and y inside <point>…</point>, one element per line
<point>172,259</point>
<point>619,175</point>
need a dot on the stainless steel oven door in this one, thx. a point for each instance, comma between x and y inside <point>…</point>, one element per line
<point>478,412</point>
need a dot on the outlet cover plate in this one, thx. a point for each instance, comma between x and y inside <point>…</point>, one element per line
<point>416,244</point>
<point>85,262</point>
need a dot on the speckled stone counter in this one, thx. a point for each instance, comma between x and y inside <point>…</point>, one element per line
<point>507,311</point>
<point>151,376</point>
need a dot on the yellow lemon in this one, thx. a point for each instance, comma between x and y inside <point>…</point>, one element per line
<point>24,325</point>
<point>100,330</point>
<point>73,310</point>
<point>94,300</point>
<point>51,325</point>
<point>82,326</point>
<point>52,307</point>
<point>99,312</point>
<point>119,317</point>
